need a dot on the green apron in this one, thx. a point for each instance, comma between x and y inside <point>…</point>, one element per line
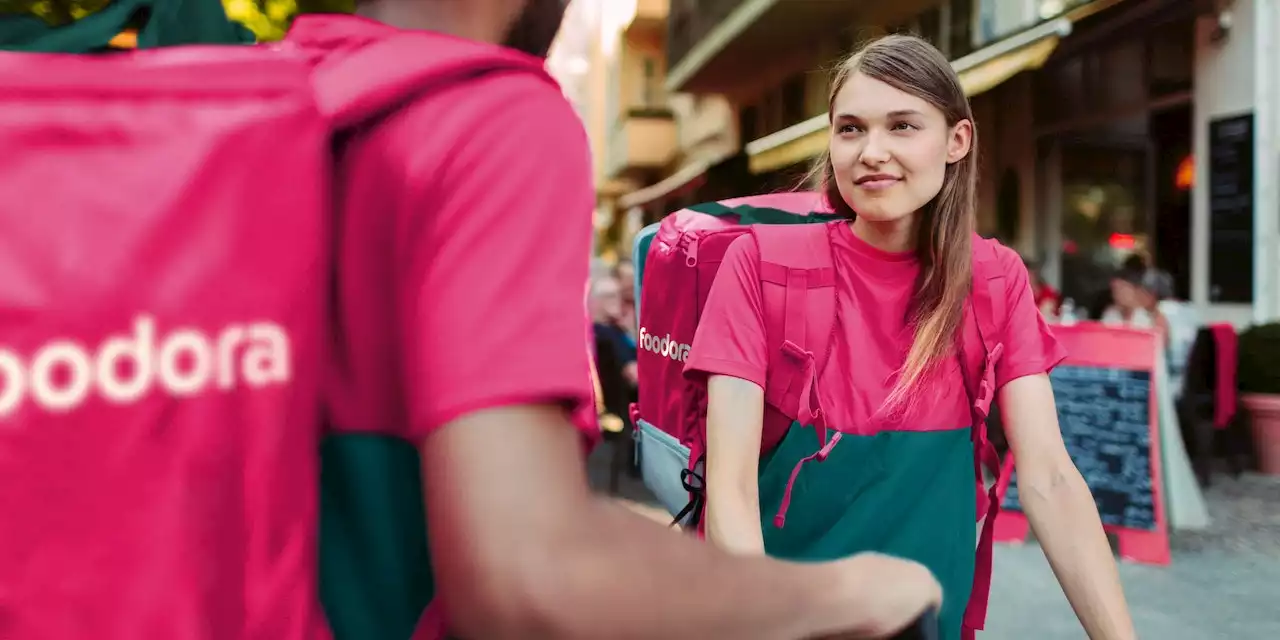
<point>902,493</point>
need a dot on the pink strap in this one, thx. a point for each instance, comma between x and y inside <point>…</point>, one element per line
<point>986,388</point>
<point>987,308</point>
<point>431,626</point>
<point>780,519</point>
<point>809,413</point>
<point>975,614</point>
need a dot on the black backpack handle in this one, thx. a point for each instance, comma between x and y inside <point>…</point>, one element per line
<point>924,628</point>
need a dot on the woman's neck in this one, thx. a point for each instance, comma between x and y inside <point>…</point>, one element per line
<point>894,236</point>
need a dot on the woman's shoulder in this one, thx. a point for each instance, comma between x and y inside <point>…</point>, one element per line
<point>742,253</point>
<point>993,254</point>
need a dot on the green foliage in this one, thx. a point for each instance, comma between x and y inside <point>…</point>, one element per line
<point>54,12</point>
<point>1259,368</point>
<point>268,19</point>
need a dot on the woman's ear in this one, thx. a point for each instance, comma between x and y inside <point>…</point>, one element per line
<point>961,140</point>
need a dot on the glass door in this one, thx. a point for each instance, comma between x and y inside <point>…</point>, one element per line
<point>1103,195</point>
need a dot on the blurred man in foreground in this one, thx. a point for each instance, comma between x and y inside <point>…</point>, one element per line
<point>489,366</point>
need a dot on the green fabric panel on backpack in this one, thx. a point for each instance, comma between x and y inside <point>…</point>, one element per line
<point>902,493</point>
<point>171,23</point>
<point>375,570</point>
<point>748,214</point>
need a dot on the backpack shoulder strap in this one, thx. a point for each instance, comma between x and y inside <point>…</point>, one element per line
<point>981,347</point>
<point>797,277</point>
<point>374,79</point>
<point>982,339</point>
<point>990,291</point>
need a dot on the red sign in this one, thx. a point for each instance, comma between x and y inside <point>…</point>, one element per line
<point>1105,393</point>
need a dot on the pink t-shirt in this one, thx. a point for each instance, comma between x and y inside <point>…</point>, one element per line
<point>873,289</point>
<point>464,248</point>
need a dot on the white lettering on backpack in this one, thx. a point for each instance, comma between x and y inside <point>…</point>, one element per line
<point>60,375</point>
<point>664,346</point>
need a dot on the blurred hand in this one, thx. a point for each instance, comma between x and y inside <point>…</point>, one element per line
<point>884,595</point>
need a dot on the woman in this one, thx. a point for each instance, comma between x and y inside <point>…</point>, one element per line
<point>901,167</point>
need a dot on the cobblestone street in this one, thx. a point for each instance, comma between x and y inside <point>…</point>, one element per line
<point>1224,583</point>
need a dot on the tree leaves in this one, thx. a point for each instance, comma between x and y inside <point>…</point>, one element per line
<point>54,12</point>
<point>268,19</point>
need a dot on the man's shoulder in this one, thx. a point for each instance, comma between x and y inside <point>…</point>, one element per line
<point>513,79</point>
<point>507,95</point>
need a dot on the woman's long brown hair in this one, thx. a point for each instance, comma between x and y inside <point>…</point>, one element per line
<point>946,224</point>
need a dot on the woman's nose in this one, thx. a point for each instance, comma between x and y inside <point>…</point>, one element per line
<point>875,151</point>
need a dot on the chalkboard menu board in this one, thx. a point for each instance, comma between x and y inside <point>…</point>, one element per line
<point>1231,209</point>
<point>1105,414</point>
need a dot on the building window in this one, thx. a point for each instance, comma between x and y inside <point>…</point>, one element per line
<point>749,123</point>
<point>1171,60</point>
<point>988,22</point>
<point>651,88</point>
<point>793,100</point>
<point>960,33</point>
<point>929,27</point>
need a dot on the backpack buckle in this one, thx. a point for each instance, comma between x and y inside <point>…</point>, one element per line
<point>987,385</point>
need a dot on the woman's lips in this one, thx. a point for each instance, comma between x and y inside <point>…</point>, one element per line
<point>878,184</point>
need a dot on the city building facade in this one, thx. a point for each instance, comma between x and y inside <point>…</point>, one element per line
<point>1108,127</point>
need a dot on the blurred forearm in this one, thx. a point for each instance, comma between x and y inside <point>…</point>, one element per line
<point>523,550</point>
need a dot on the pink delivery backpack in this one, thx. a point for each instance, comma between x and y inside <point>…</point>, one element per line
<point>163,242</point>
<point>165,269</point>
<point>677,263</point>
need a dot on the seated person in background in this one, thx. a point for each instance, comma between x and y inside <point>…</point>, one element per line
<point>606,303</point>
<point>1143,298</point>
<point>625,273</point>
<point>1048,299</point>
<point>1132,303</point>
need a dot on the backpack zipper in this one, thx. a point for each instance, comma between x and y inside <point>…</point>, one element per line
<point>690,246</point>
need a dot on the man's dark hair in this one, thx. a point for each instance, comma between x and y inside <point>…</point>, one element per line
<point>1135,262</point>
<point>537,26</point>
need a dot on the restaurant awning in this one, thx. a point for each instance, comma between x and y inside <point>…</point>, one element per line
<point>685,177</point>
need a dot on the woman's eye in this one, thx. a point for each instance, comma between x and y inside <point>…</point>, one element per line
<point>904,126</point>
<point>849,128</point>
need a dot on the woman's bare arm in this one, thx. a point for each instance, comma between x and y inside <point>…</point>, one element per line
<point>735,417</point>
<point>1062,510</point>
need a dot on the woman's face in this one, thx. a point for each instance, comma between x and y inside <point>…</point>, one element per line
<point>890,149</point>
